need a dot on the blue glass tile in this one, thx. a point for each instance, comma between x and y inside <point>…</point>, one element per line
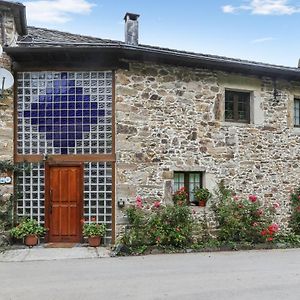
<point>57,91</point>
<point>42,106</point>
<point>71,136</point>
<point>64,82</point>
<point>64,113</point>
<point>34,105</point>
<point>49,113</point>
<point>78,128</point>
<point>64,128</point>
<point>57,83</point>
<point>42,128</point>
<point>34,114</point>
<point>86,120</point>
<point>101,112</point>
<point>64,90</point>
<point>56,105</point>
<point>56,98</point>
<point>56,136</point>
<point>56,113</point>
<point>42,121</point>
<point>86,128</point>
<point>26,114</point>
<point>86,113</point>
<point>63,121</point>
<point>71,91</point>
<point>64,150</point>
<point>49,121</point>
<point>56,144</point>
<point>48,106</point>
<point>79,90</point>
<point>71,120</point>
<point>78,135</point>
<point>64,105</point>
<point>78,113</point>
<point>94,105</point>
<point>63,143</point>
<point>42,98</point>
<point>71,113</point>
<point>49,91</point>
<point>79,98</point>
<point>41,113</point>
<point>78,105</point>
<point>49,128</point>
<point>56,129</point>
<point>86,105</point>
<point>71,105</point>
<point>94,120</point>
<point>71,83</point>
<point>71,128</point>
<point>63,135</point>
<point>64,98</point>
<point>78,121</point>
<point>86,97</point>
<point>94,113</point>
<point>49,98</point>
<point>56,120</point>
<point>64,75</point>
<point>49,136</point>
<point>71,143</point>
<point>34,121</point>
<point>72,98</point>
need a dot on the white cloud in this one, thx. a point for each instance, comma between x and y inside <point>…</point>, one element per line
<point>56,11</point>
<point>262,40</point>
<point>265,7</point>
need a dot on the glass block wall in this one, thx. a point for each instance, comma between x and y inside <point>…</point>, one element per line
<point>66,113</point>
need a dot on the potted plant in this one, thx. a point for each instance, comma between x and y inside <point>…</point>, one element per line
<point>202,195</point>
<point>29,230</point>
<point>94,231</point>
<point>180,197</point>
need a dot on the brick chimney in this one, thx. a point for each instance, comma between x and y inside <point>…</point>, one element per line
<point>131,29</point>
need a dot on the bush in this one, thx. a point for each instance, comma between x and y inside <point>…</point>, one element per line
<point>295,213</point>
<point>244,220</point>
<point>158,225</point>
<point>27,227</point>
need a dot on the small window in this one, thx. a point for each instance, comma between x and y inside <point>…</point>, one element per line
<point>237,107</point>
<point>189,180</point>
<point>297,112</point>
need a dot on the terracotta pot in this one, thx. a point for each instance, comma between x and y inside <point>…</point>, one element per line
<point>202,203</point>
<point>31,240</point>
<point>94,241</point>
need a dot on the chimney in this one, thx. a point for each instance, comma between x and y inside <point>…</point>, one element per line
<point>131,29</point>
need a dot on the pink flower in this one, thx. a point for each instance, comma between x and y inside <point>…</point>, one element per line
<point>260,212</point>
<point>269,239</point>
<point>236,198</point>
<point>264,232</point>
<point>255,224</point>
<point>276,205</point>
<point>253,198</point>
<point>156,204</point>
<point>138,202</point>
<point>299,197</point>
<point>273,228</point>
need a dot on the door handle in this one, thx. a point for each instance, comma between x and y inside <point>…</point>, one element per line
<point>51,201</point>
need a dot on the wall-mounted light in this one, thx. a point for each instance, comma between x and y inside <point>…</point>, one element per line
<point>121,203</point>
<point>6,80</point>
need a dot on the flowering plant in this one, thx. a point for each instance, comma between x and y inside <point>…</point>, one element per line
<point>245,220</point>
<point>180,197</point>
<point>27,227</point>
<point>295,213</point>
<point>202,194</point>
<point>93,229</point>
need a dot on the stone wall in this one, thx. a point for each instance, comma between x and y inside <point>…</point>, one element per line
<point>172,119</point>
<point>6,121</point>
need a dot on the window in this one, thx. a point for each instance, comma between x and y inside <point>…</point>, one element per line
<point>237,107</point>
<point>297,112</point>
<point>189,180</point>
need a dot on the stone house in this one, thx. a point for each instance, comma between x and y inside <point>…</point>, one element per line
<point>102,121</point>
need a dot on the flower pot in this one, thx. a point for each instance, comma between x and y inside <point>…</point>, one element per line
<point>202,203</point>
<point>94,241</point>
<point>31,240</point>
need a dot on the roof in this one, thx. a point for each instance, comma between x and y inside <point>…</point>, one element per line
<point>19,12</point>
<point>41,40</point>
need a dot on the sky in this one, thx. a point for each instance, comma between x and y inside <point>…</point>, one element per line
<point>260,30</point>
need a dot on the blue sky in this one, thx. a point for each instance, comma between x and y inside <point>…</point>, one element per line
<point>260,30</point>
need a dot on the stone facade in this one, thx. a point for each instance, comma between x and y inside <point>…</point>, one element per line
<point>6,119</point>
<point>172,119</point>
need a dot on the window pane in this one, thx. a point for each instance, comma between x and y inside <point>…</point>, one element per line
<point>297,112</point>
<point>178,181</point>
<point>194,182</point>
<point>237,106</point>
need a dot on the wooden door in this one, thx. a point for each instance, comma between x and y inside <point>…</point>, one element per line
<point>64,188</point>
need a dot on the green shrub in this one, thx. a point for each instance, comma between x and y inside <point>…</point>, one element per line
<point>93,229</point>
<point>27,227</point>
<point>295,211</point>
<point>244,220</point>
